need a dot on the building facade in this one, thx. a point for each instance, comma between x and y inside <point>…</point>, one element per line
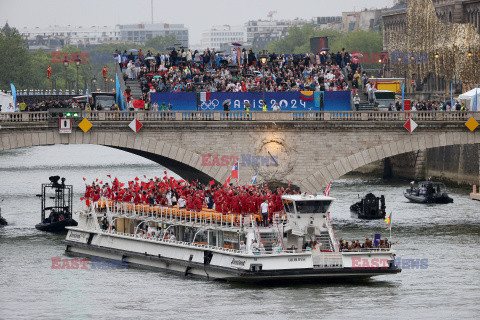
<point>56,37</point>
<point>261,32</point>
<point>366,20</point>
<point>448,11</point>
<point>139,33</point>
<point>218,36</point>
<point>330,23</point>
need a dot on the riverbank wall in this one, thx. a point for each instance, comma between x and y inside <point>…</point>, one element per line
<point>453,164</point>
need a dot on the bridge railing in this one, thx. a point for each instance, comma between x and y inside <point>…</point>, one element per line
<point>112,116</point>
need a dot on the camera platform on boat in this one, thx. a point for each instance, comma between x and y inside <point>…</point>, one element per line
<point>56,211</point>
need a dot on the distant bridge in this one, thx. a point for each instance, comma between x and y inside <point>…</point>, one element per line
<point>306,149</point>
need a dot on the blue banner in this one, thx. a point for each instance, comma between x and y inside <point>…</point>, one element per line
<point>403,96</point>
<point>14,94</point>
<point>333,100</point>
<point>287,101</point>
<point>180,101</point>
<point>475,100</point>
<point>119,94</point>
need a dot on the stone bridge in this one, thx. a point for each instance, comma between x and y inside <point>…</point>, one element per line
<point>306,149</point>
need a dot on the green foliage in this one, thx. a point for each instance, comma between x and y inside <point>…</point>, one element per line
<point>160,43</point>
<point>298,40</point>
<point>13,59</point>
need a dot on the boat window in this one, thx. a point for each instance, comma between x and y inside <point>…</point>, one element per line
<point>288,204</point>
<point>317,206</point>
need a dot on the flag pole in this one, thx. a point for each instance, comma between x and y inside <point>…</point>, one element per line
<point>391,229</point>
<point>451,96</point>
<point>403,96</point>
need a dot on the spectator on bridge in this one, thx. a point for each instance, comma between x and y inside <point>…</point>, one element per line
<point>356,102</point>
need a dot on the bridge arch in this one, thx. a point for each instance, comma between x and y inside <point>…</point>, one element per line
<point>317,181</point>
<point>177,159</point>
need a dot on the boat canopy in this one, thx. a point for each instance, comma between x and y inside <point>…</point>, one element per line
<point>441,184</point>
<point>303,204</point>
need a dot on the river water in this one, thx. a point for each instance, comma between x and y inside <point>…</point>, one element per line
<point>447,235</point>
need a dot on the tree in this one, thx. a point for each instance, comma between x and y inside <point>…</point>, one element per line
<point>298,40</point>
<point>13,59</point>
<point>161,43</point>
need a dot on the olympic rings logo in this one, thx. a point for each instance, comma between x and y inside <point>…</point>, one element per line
<point>209,105</point>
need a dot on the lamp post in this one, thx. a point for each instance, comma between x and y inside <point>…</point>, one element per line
<point>93,83</point>
<point>263,59</point>
<point>65,63</point>
<point>77,64</point>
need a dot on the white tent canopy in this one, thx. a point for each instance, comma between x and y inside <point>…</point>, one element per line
<point>5,100</point>
<point>469,99</point>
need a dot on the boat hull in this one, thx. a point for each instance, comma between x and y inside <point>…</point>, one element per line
<point>422,199</point>
<point>58,226</point>
<point>191,262</point>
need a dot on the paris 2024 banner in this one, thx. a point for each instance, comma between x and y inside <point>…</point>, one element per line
<point>287,101</point>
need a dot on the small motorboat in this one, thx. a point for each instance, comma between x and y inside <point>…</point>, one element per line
<point>3,222</point>
<point>58,219</point>
<point>428,192</point>
<point>60,209</point>
<point>369,207</point>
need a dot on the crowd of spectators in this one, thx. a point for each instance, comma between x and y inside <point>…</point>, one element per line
<point>184,70</point>
<point>355,245</point>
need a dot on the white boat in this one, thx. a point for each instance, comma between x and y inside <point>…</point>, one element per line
<point>209,244</point>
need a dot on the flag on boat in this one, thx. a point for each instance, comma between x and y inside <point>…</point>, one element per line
<point>227,182</point>
<point>254,178</point>
<point>234,174</point>
<point>327,189</point>
<point>388,221</point>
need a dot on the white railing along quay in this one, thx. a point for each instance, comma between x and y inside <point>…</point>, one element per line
<point>161,116</point>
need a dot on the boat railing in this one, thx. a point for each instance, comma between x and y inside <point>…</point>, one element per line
<point>175,215</point>
<point>178,242</point>
<point>278,234</point>
<point>152,238</point>
<point>327,259</point>
<point>331,231</point>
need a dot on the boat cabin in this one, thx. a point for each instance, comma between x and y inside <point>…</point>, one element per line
<point>308,222</point>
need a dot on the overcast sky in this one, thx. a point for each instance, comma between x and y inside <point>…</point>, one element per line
<point>197,15</point>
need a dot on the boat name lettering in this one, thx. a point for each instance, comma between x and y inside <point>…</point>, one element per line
<point>238,262</point>
<point>74,235</point>
<point>296,259</point>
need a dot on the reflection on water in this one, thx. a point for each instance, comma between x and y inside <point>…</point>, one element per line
<point>446,235</point>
